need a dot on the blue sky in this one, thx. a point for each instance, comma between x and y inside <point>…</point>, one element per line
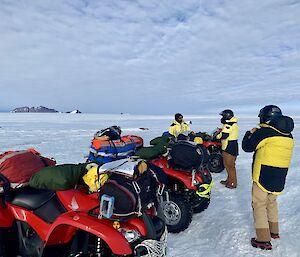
<point>150,57</point>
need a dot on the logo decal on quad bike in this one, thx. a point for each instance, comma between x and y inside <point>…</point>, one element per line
<point>74,205</point>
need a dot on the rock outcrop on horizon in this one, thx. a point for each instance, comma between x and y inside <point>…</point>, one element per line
<point>34,109</point>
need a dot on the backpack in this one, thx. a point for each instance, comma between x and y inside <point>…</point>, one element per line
<point>187,155</point>
<point>113,132</point>
<point>19,166</point>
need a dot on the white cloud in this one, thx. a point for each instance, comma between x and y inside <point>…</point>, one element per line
<point>149,56</point>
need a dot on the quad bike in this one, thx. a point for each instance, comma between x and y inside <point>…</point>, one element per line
<point>188,192</point>
<point>215,162</point>
<point>36,223</point>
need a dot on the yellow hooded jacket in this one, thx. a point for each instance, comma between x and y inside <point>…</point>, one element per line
<point>177,128</point>
<point>273,147</point>
<point>229,136</point>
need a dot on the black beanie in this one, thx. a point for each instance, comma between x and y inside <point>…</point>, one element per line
<point>177,115</point>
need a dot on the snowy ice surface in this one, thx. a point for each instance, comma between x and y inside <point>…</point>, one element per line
<point>224,229</point>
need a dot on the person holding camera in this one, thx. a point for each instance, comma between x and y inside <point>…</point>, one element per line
<point>272,144</point>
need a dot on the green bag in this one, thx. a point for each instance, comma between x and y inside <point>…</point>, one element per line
<point>164,140</point>
<point>60,177</point>
<point>203,135</point>
<point>151,152</point>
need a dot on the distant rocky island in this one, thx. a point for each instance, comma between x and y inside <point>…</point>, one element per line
<point>34,109</point>
<point>40,109</point>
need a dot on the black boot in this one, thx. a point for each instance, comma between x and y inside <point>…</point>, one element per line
<point>261,245</point>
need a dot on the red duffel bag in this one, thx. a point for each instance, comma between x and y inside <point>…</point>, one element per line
<point>19,166</point>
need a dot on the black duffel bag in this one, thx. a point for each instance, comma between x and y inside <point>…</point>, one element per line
<point>187,155</point>
<point>131,196</point>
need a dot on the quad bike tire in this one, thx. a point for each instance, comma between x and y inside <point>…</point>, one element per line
<point>201,204</point>
<point>178,213</point>
<point>215,163</point>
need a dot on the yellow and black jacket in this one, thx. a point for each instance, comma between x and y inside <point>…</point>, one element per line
<point>273,146</point>
<point>177,128</point>
<point>229,136</point>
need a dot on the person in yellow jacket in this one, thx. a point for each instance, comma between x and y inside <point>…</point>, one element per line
<point>178,126</point>
<point>230,149</point>
<point>272,145</point>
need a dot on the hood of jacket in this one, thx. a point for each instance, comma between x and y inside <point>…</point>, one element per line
<point>282,124</point>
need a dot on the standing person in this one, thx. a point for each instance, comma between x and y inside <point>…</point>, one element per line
<point>230,149</point>
<point>272,145</point>
<point>178,126</point>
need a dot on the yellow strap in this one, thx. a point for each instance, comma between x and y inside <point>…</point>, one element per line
<point>206,191</point>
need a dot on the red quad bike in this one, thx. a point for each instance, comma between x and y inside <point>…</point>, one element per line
<point>188,192</point>
<point>215,162</point>
<point>36,223</point>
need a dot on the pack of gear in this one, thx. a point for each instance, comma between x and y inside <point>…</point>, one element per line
<point>187,155</point>
<point>59,177</point>
<point>107,150</point>
<point>134,185</point>
<point>113,132</point>
<point>19,166</point>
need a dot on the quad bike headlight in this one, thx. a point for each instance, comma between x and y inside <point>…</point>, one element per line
<point>130,235</point>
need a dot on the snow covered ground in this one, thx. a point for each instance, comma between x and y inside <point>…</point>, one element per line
<point>224,229</point>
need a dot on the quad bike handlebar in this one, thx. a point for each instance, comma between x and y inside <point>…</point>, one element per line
<point>215,133</point>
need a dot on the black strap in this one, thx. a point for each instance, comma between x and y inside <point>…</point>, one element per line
<point>98,176</point>
<point>6,189</point>
<point>43,161</point>
<point>135,145</point>
<point>113,144</point>
<point>151,233</point>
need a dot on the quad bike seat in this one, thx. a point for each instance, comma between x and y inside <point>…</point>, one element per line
<point>31,198</point>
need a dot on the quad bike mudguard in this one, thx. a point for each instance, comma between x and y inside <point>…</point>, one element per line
<point>64,227</point>
<point>104,230</point>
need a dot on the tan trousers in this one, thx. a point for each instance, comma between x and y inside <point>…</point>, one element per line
<point>229,163</point>
<point>265,213</point>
